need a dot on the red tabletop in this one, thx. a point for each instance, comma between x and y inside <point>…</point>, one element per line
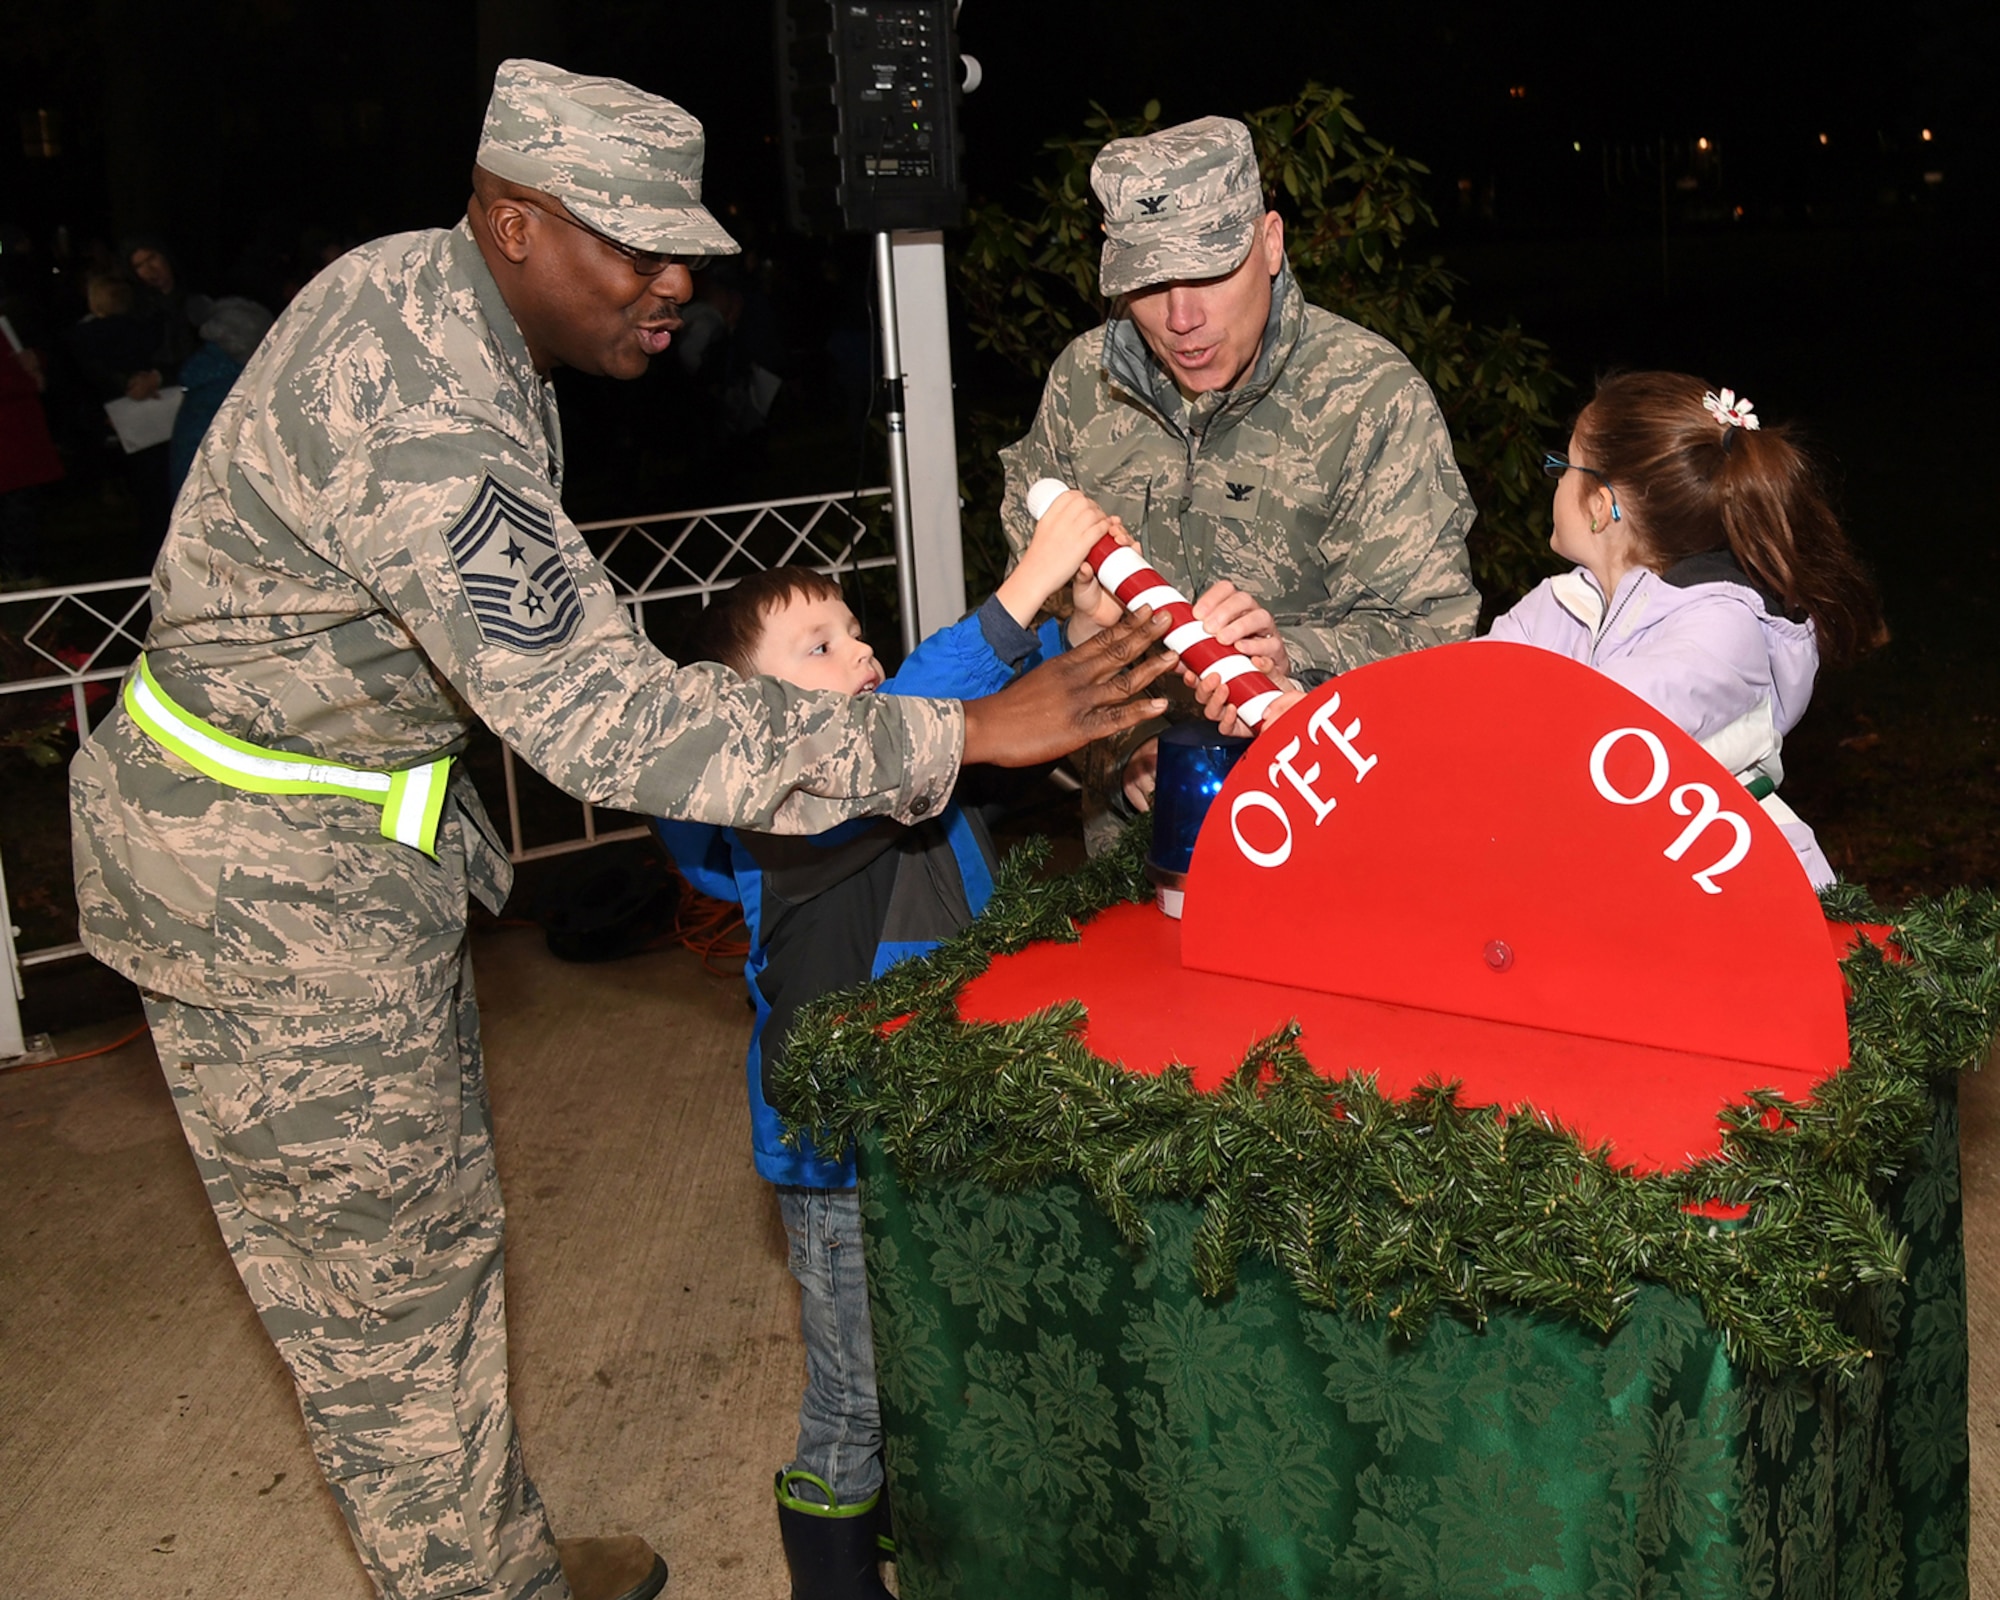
<point>1657,1109</point>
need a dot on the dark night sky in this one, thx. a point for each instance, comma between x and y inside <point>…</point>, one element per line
<point>223,116</point>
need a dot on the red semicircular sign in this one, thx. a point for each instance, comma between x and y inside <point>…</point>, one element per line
<point>1497,832</point>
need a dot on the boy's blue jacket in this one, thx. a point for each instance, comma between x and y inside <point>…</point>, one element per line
<point>827,911</point>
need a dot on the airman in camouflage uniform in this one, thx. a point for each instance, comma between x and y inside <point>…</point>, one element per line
<point>369,554</point>
<point>1246,438</point>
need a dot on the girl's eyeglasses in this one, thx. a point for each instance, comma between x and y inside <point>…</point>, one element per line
<point>1555,466</point>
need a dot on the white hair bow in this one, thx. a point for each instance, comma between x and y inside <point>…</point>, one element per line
<point>1730,411</point>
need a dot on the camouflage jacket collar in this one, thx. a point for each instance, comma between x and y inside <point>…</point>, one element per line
<point>464,259</point>
<point>1134,372</point>
<point>510,346</point>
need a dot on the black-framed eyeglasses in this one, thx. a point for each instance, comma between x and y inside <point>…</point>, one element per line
<point>647,263</point>
<point>1555,466</point>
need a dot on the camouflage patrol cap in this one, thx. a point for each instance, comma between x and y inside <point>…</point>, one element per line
<point>624,161</point>
<point>1180,203</point>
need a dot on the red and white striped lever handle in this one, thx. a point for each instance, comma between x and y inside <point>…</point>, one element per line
<point>1124,572</point>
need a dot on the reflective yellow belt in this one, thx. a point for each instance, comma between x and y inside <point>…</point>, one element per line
<point>412,801</point>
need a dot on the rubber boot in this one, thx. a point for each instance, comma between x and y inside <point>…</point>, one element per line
<point>830,1548</point>
<point>622,1567</point>
<point>885,1529</point>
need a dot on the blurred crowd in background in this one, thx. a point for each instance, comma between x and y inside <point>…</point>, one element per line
<point>115,356</point>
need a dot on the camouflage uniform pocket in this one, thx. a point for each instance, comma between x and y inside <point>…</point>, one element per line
<point>1258,524</point>
<point>411,1520</point>
<point>360,1434</point>
<point>1119,476</point>
<point>337,1145</point>
<point>399,1469</point>
<point>1228,491</point>
<point>313,889</point>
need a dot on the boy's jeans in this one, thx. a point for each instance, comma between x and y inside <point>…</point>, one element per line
<point>840,1425</point>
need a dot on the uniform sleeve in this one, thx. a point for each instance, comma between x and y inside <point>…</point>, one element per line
<point>1701,667</point>
<point>455,528</point>
<point>1401,512</point>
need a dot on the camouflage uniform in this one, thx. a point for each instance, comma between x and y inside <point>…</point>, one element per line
<point>1323,483</point>
<point>370,553</point>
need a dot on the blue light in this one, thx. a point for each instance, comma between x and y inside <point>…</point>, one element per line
<point>1194,763</point>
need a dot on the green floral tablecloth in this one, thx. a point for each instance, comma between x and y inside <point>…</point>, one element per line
<point>1068,1417</point>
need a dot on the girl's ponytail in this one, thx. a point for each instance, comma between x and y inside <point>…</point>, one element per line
<point>1782,530</point>
<point>1697,472</point>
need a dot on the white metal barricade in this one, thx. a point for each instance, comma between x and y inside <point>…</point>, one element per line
<point>65,640</point>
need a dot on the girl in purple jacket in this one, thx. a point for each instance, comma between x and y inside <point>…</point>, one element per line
<point>1711,575</point>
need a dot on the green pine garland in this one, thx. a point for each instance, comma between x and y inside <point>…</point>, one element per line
<point>1401,1207</point>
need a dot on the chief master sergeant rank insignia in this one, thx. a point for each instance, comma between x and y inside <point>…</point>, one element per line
<point>521,593</point>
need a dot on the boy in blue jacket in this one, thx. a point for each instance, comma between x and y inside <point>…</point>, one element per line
<point>828,911</point>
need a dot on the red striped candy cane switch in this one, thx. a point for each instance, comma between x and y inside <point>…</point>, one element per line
<point>1124,572</point>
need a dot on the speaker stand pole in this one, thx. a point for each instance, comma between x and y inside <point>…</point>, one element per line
<point>899,442</point>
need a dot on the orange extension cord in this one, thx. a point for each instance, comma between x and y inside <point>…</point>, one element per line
<point>713,930</point>
<point>81,1055</point>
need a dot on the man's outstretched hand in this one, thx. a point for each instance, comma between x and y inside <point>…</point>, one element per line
<point>1083,694</point>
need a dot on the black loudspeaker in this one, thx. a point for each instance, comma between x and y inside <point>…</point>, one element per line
<point>868,107</point>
